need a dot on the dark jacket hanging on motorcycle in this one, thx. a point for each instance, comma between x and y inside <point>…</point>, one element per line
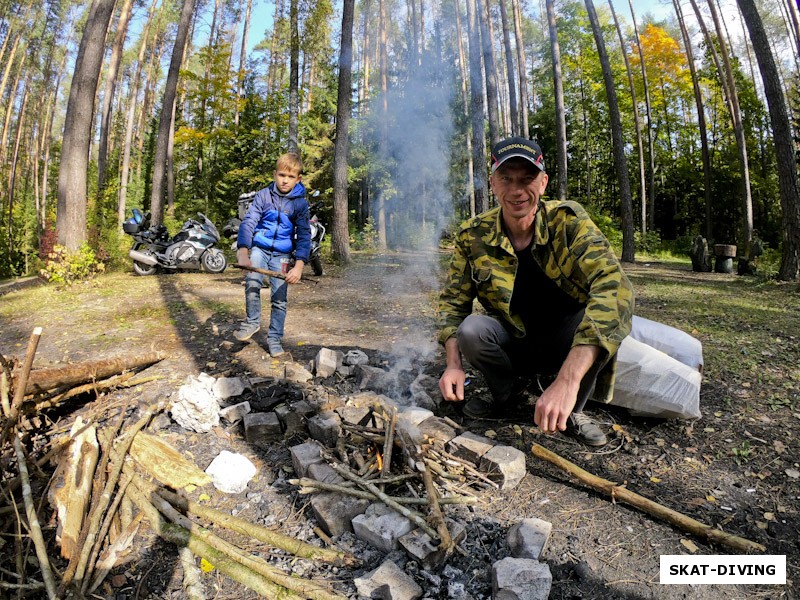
<point>273,219</point>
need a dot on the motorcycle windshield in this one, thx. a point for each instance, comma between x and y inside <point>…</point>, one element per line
<point>209,226</point>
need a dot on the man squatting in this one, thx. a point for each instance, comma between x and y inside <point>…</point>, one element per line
<point>557,302</point>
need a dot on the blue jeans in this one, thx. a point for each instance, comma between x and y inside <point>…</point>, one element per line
<point>274,261</point>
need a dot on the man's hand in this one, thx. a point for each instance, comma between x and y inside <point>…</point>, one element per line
<point>243,257</point>
<point>451,384</point>
<point>556,403</point>
<point>295,274</point>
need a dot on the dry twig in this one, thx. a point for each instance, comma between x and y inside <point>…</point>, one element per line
<point>622,494</point>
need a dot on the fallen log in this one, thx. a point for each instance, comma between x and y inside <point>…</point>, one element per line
<point>619,493</point>
<point>71,484</point>
<point>42,380</point>
<point>227,565</point>
<point>27,495</point>
<point>262,534</point>
<point>11,410</point>
<point>304,587</point>
<point>165,463</point>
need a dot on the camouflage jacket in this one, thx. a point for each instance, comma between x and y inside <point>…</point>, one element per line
<point>570,249</point>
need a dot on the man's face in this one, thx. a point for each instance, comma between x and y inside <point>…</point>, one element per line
<point>518,184</point>
<point>286,179</point>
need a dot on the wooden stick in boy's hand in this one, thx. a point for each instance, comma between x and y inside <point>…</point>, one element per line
<point>269,273</point>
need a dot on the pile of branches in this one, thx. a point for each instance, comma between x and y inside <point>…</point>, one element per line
<point>109,479</point>
<point>424,474</point>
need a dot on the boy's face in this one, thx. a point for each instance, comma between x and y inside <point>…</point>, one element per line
<point>286,179</point>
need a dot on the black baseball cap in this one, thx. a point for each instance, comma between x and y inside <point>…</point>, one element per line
<point>517,146</point>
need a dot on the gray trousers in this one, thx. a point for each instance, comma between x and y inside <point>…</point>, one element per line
<point>503,359</point>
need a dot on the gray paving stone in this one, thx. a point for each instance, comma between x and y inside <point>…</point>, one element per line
<point>505,465</point>
<point>235,413</point>
<point>326,428</point>
<point>521,579</point>
<point>305,455</point>
<point>470,446</point>
<point>335,512</point>
<point>325,362</point>
<point>262,428</point>
<point>436,429</point>
<point>388,582</point>
<point>527,538</point>
<point>323,472</point>
<point>381,526</point>
<point>423,549</point>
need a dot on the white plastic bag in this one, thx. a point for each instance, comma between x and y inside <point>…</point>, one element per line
<point>652,383</point>
<point>676,343</point>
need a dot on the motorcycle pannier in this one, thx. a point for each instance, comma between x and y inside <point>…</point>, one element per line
<point>131,226</point>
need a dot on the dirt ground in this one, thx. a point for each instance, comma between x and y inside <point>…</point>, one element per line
<point>384,305</point>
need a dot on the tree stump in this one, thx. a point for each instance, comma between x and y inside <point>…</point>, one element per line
<point>723,257</point>
<point>701,261</point>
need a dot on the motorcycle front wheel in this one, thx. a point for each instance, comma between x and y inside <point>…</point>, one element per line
<point>143,269</point>
<point>214,262</point>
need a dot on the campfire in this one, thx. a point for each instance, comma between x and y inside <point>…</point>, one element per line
<point>370,460</point>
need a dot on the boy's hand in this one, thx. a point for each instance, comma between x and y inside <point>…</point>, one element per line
<point>243,257</point>
<point>295,274</point>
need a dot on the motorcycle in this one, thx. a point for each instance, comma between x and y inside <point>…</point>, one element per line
<point>231,230</point>
<point>191,248</point>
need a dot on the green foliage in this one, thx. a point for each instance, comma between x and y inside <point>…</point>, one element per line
<point>64,267</point>
<point>609,227</point>
<point>366,238</point>
<point>649,243</point>
<point>742,452</point>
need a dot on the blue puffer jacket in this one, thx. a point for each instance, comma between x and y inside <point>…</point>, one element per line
<point>273,219</point>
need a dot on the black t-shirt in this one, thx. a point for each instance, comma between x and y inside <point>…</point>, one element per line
<point>542,305</point>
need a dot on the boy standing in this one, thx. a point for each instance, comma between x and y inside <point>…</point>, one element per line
<point>266,239</point>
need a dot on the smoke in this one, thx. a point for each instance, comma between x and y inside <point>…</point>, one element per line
<point>411,163</point>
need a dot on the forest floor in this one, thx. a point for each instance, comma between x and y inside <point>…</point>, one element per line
<point>736,468</point>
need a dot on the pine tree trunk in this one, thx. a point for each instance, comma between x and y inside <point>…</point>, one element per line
<point>510,73</point>
<point>242,62</point>
<point>340,238</point>
<point>108,94</point>
<point>741,143</point>
<point>561,119</point>
<point>784,144</point>
<point>649,111</point>
<point>160,160</point>
<point>72,174</point>
<point>131,119</point>
<point>6,73</point>
<point>636,122</point>
<point>522,72</point>
<point>363,89</point>
<point>384,133</point>
<point>462,68</point>
<point>293,144</point>
<point>701,119</point>
<point>12,179</point>
<point>620,163</point>
<point>477,110</point>
<point>490,70</point>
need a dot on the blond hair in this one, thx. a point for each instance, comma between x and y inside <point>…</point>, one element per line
<point>290,161</point>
